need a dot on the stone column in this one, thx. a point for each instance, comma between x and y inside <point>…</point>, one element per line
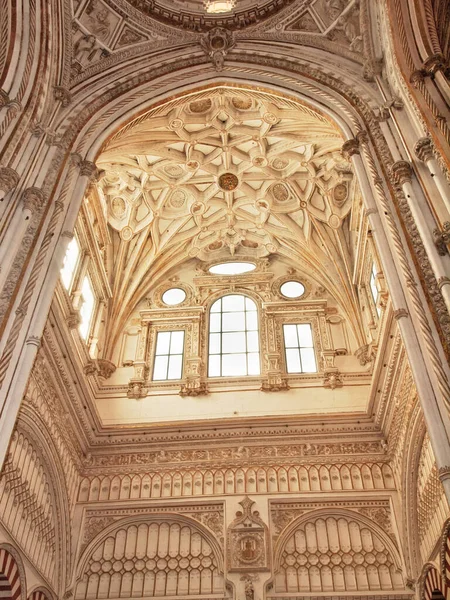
<point>32,199</point>
<point>424,152</point>
<point>14,380</point>
<point>402,174</point>
<point>434,411</point>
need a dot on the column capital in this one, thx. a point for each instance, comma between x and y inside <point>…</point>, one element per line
<point>424,149</point>
<point>86,167</point>
<point>401,172</point>
<point>350,148</point>
<point>9,178</point>
<point>33,198</point>
<point>401,313</point>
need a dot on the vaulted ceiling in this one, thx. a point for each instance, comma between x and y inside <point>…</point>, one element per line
<point>225,172</point>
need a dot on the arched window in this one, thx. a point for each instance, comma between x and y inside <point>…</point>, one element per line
<point>233,337</point>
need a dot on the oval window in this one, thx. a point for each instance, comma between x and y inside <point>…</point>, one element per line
<point>232,268</point>
<point>173,296</point>
<point>292,289</point>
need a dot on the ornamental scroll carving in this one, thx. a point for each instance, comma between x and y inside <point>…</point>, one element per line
<point>248,547</point>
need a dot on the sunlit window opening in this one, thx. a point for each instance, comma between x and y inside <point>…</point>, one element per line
<point>292,289</point>
<point>374,288</point>
<point>169,355</point>
<point>232,268</point>
<point>87,307</point>
<point>233,337</point>
<point>70,263</point>
<point>299,347</point>
<point>174,296</point>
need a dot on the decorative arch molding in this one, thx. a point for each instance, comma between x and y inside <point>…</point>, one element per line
<point>41,593</point>
<point>416,431</point>
<point>445,554</point>
<point>32,429</point>
<point>12,574</point>
<point>165,546</point>
<point>343,564</point>
<point>87,131</point>
<point>431,585</point>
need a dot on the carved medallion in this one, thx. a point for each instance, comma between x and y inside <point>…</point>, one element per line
<point>228,182</point>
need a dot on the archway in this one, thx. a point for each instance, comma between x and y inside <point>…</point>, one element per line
<point>10,584</point>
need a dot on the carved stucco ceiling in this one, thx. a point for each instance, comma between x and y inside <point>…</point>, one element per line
<point>191,14</point>
<point>225,173</point>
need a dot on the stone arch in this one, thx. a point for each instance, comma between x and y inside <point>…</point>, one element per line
<point>173,555</point>
<point>338,551</point>
<point>445,554</point>
<point>41,593</point>
<point>12,574</point>
<point>432,585</point>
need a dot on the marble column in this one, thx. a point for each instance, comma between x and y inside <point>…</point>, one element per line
<point>424,152</point>
<point>434,412</point>
<point>31,200</point>
<point>402,174</point>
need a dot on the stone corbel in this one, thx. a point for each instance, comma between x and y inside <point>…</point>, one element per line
<point>105,368</point>
<point>137,389</point>
<point>62,95</point>
<point>194,385</point>
<point>332,379</point>
<point>274,381</point>
<point>328,357</point>
<point>365,354</point>
<point>73,320</point>
<point>384,111</point>
<point>193,388</point>
<point>90,368</point>
<point>442,238</point>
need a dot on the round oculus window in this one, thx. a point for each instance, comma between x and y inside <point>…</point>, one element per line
<point>232,268</point>
<point>173,296</point>
<point>292,289</point>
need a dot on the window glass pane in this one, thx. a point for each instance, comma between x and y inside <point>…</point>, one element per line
<point>290,336</point>
<point>214,343</point>
<point>233,342</point>
<point>233,321</point>
<point>252,341</point>
<point>176,342</point>
<point>216,307</point>
<point>175,366</point>
<point>305,335</point>
<point>169,355</point>
<point>214,322</point>
<point>253,363</point>
<point>308,360</point>
<point>70,263</point>
<point>232,303</point>
<point>87,307</point>
<point>249,304</point>
<point>252,321</point>
<point>234,364</point>
<point>163,342</point>
<point>160,368</point>
<point>292,289</point>
<point>293,361</point>
<point>214,366</point>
